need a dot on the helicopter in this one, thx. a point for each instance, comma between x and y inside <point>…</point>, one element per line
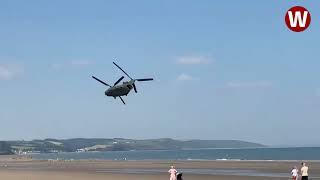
<point>118,90</point>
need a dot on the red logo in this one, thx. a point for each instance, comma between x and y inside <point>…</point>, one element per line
<point>298,18</point>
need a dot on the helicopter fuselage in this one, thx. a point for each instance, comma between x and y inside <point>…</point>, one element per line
<point>120,90</point>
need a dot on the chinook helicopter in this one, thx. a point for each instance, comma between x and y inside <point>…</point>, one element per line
<point>118,90</point>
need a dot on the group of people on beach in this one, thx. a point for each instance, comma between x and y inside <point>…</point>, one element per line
<point>303,172</point>
<point>296,174</point>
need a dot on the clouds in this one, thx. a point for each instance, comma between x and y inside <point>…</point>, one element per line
<point>185,77</point>
<point>193,60</point>
<point>10,71</point>
<point>253,84</point>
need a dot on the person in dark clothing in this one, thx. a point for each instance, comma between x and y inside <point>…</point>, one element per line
<point>179,176</point>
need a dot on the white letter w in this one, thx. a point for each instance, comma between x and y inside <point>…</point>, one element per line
<point>297,17</point>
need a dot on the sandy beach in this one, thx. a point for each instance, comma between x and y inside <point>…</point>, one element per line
<point>12,168</point>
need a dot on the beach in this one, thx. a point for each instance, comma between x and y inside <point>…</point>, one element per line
<point>12,168</point>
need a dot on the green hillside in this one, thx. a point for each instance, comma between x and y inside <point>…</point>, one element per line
<point>5,148</point>
<point>120,144</point>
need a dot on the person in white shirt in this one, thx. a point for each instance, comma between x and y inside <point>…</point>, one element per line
<point>294,173</point>
<point>304,171</point>
<point>173,173</point>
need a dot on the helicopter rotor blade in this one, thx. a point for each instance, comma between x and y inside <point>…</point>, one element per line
<point>134,87</point>
<point>122,70</point>
<point>145,79</point>
<point>118,80</point>
<point>122,100</point>
<point>100,81</point>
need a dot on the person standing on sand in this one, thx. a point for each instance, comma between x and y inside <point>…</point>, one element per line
<point>304,171</point>
<point>294,173</point>
<point>173,173</point>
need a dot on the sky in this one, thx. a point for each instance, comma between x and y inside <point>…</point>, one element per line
<point>222,70</point>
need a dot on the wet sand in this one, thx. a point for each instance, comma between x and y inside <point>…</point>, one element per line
<point>27,169</point>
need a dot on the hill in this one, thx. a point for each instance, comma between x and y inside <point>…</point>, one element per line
<point>120,144</point>
<point>5,148</point>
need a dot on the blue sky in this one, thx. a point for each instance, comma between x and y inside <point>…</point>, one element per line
<point>222,69</point>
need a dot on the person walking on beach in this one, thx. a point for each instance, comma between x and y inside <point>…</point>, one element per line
<point>304,171</point>
<point>173,173</point>
<point>294,173</point>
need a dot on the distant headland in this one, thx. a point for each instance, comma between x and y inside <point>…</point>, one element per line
<point>115,144</point>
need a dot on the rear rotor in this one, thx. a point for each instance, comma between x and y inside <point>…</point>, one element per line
<point>133,84</point>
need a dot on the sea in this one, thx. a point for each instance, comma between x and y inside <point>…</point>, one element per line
<point>291,153</point>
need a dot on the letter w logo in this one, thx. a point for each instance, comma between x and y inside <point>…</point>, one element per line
<point>297,18</point>
<point>294,19</point>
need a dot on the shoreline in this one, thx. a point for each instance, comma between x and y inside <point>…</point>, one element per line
<point>30,157</point>
<point>108,169</point>
<point>258,154</point>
